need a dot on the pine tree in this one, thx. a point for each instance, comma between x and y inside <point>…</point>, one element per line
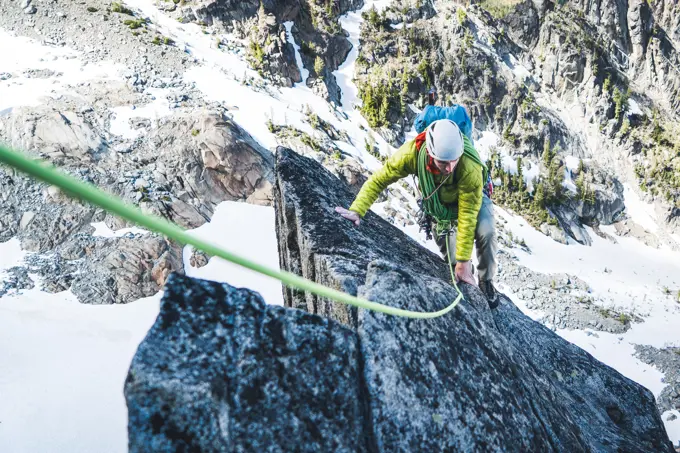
<point>590,195</point>
<point>581,187</point>
<point>555,182</point>
<point>547,153</point>
<point>539,194</point>
<point>519,180</point>
<point>584,191</point>
<point>505,178</point>
<point>261,18</point>
<point>319,67</point>
<point>491,163</point>
<point>369,107</point>
<point>374,18</point>
<point>404,91</point>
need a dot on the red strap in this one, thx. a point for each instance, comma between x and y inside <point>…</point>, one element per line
<point>420,139</point>
<point>431,167</point>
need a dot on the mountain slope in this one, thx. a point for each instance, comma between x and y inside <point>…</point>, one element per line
<point>194,95</point>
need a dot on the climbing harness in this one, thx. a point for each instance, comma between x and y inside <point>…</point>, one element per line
<point>114,205</point>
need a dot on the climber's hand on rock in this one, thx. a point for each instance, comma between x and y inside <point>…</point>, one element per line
<point>464,272</point>
<point>349,215</point>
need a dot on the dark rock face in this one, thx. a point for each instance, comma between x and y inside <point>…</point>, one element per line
<point>225,11</point>
<point>674,218</point>
<point>278,56</point>
<point>220,371</point>
<point>524,23</point>
<point>571,224</point>
<point>305,195</point>
<point>607,208</point>
<point>429,380</point>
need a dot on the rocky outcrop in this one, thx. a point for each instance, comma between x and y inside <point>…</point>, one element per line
<point>642,34</point>
<point>98,270</point>
<point>524,23</point>
<point>260,378</point>
<point>270,51</point>
<point>226,12</point>
<point>189,163</point>
<point>267,377</point>
<point>606,209</point>
<point>404,11</point>
<point>667,15</point>
<point>60,133</point>
<point>125,269</point>
<point>667,360</point>
<point>38,215</point>
<point>218,160</point>
<point>316,30</point>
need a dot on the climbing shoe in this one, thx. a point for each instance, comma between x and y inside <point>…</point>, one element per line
<point>487,288</point>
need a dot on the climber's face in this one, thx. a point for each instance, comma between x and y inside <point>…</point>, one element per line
<point>445,166</point>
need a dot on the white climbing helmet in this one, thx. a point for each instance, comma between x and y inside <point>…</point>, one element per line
<point>444,140</point>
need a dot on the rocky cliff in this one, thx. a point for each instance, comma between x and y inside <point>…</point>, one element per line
<point>314,25</point>
<point>321,377</point>
<point>151,100</point>
<point>593,81</point>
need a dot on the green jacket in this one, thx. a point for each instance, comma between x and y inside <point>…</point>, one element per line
<point>462,191</point>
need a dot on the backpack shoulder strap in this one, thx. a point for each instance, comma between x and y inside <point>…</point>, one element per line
<point>472,153</point>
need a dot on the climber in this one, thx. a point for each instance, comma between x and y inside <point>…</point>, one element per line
<point>450,179</point>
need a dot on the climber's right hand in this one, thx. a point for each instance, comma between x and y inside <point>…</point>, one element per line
<point>349,215</point>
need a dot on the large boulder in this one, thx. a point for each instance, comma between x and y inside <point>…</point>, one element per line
<point>58,134</point>
<point>122,270</point>
<point>206,158</point>
<point>256,378</point>
<point>220,371</point>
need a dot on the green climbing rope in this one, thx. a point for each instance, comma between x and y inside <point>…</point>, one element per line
<point>443,215</point>
<point>431,202</point>
<point>114,205</point>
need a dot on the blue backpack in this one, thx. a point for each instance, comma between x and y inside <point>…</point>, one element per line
<point>455,113</point>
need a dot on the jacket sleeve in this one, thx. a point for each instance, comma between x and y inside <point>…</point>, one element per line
<point>469,203</point>
<point>399,165</point>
